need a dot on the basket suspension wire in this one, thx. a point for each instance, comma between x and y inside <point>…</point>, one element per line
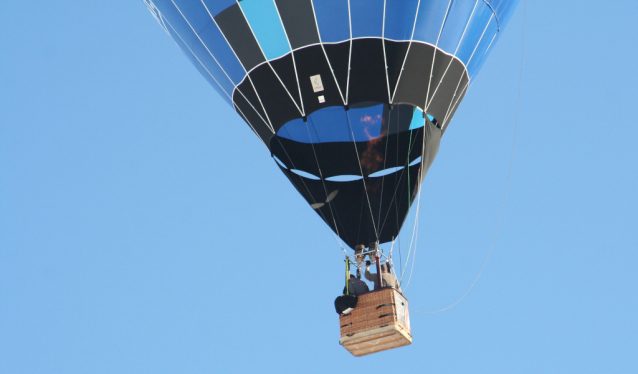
<point>332,212</point>
<point>391,262</point>
<point>414,254</point>
<point>416,218</point>
<point>518,105</point>
<point>396,204</point>
<point>412,242</point>
<point>347,276</point>
<point>385,158</point>
<point>409,150</point>
<point>418,208</point>
<point>394,199</point>
<point>312,198</point>
<point>409,200</point>
<point>365,188</point>
<point>400,255</point>
<point>396,181</point>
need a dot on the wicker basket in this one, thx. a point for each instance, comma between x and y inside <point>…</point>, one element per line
<point>378,323</point>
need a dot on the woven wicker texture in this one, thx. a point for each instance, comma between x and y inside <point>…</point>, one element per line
<point>388,338</point>
<point>373,326</point>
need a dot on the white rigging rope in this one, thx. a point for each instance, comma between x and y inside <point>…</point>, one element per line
<point>323,182</point>
<point>337,238</point>
<point>415,230</point>
<point>518,104</point>
<point>365,188</point>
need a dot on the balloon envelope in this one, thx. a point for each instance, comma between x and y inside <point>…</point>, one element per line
<point>351,97</point>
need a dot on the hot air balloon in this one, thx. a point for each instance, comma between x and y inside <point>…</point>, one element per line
<point>351,97</point>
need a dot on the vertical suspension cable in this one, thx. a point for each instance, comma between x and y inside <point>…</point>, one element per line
<point>394,199</point>
<point>407,261</point>
<point>415,231</point>
<point>385,157</point>
<point>323,183</point>
<point>309,193</point>
<point>376,233</point>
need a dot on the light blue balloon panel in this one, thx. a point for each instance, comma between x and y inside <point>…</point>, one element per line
<point>264,21</point>
<point>467,29</point>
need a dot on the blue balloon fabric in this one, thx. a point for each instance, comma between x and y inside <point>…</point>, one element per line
<point>351,97</point>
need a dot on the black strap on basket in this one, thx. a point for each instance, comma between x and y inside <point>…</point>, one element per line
<point>386,315</point>
<point>382,305</point>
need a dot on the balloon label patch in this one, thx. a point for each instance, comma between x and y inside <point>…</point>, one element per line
<point>317,85</point>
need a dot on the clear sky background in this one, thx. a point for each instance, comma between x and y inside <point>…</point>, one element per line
<point>145,229</point>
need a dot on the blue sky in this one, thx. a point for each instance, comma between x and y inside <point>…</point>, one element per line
<point>145,229</point>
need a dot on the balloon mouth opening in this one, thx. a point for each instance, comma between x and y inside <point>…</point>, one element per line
<point>360,122</point>
<point>347,162</point>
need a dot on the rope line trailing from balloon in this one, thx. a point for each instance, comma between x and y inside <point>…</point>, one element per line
<point>416,219</point>
<point>518,104</point>
<point>415,233</point>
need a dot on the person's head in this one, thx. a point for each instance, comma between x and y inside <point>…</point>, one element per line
<point>352,276</point>
<point>384,268</point>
